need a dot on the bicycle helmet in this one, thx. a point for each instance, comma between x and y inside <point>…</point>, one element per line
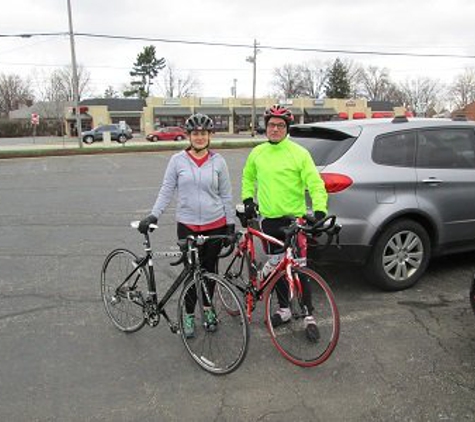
<point>199,121</point>
<point>279,111</point>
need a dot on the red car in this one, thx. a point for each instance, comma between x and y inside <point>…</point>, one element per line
<point>171,133</point>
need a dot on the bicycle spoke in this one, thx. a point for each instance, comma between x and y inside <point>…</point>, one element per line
<point>125,313</point>
<point>220,350</point>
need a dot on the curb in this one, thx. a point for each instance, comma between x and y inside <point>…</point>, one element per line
<point>124,148</point>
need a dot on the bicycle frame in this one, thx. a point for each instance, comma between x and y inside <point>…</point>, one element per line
<point>154,308</point>
<point>257,286</point>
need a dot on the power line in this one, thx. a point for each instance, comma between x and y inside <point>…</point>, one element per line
<point>249,46</point>
<point>34,34</point>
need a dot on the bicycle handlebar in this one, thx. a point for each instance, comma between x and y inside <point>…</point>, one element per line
<point>327,225</point>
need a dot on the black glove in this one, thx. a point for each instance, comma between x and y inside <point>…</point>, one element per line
<point>145,223</point>
<point>250,208</point>
<point>314,219</point>
<point>319,215</point>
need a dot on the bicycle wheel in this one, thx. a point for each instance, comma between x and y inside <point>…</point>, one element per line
<point>313,298</point>
<point>238,273</point>
<point>220,350</point>
<point>123,303</point>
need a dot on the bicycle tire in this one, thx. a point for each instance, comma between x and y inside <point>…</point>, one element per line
<point>290,338</point>
<point>221,351</point>
<point>238,274</point>
<point>127,315</point>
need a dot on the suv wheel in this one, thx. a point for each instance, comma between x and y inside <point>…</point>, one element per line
<point>89,139</point>
<point>179,138</point>
<point>122,139</point>
<point>399,256</point>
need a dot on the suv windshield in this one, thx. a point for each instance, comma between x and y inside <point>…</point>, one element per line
<point>325,145</point>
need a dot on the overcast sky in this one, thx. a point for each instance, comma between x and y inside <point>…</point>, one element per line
<point>409,26</point>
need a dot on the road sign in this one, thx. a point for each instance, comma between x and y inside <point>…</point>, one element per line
<point>35,119</point>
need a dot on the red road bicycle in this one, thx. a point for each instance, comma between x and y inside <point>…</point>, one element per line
<point>302,289</point>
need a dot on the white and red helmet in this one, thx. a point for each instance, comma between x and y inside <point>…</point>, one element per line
<point>279,111</point>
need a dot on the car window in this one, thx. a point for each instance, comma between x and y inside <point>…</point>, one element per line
<point>396,149</point>
<point>446,148</point>
<point>325,146</point>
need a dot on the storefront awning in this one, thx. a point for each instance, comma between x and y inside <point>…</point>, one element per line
<point>382,114</point>
<point>320,111</point>
<point>359,115</point>
<point>84,116</point>
<point>125,113</point>
<point>214,111</point>
<point>172,111</point>
<point>296,111</point>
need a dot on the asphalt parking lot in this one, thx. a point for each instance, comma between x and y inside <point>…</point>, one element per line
<point>406,356</point>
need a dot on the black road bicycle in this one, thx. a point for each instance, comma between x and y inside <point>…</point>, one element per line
<point>129,293</point>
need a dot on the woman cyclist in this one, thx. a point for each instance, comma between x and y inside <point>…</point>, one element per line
<point>200,180</point>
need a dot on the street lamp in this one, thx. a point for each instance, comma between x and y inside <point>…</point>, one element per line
<point>75,75</point>
<point>252,59</point>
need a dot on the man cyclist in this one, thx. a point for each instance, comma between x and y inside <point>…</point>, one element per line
<point>281,171</point>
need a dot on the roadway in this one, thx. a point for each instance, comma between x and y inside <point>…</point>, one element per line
<point>405,356</point>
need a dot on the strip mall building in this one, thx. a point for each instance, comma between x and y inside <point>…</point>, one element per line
<point>231,115</point>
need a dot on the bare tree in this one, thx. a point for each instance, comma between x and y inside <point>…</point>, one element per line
<point>58,84</point>
<point>313,76</point>
<point>110,92</point>
<point>375,83</point>
<point>462,92</point>
<point>178,84</point>
<point>421,94</point>
<point>288,81</point>
<point>14,92</point>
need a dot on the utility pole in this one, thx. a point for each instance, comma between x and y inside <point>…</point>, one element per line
<point>75,76</point>
<point>234,88</point>
<point>253,59</point>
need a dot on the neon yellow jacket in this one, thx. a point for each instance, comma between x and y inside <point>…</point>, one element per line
<point>281,172</point>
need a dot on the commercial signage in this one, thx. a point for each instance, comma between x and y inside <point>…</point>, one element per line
<point>35,119</point>
<point>211,101</point>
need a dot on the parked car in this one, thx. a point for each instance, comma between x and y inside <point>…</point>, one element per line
<point>403,189</point>
<point>117,133</point>
<point>170,133</point>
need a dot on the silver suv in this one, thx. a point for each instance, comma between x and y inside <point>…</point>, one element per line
<point>403,189</point>
<point>117,133</point>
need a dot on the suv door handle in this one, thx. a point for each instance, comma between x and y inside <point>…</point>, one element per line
<point>432,181</point>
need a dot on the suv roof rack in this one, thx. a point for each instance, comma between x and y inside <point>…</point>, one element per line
<point>459,118</point>
<point>400,119</point>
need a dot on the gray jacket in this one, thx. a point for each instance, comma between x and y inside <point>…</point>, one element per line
<point>203,193</point>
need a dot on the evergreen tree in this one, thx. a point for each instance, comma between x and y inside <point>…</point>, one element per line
<point>145,69</point>
<point>338,83</point>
